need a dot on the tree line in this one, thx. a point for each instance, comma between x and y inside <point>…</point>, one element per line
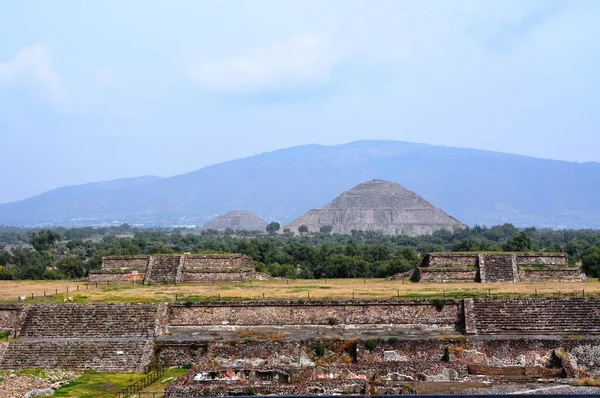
<point>71,253</point>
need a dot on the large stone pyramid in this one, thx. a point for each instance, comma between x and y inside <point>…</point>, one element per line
<point>378,206</point>
<point>237,220</point>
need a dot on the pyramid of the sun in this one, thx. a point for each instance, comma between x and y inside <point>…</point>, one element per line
<point>378,206</point>
<point>237,220</point>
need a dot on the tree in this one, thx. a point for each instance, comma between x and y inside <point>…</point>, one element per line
<point>44,239</point>
<point>590,262</point>
<point>273,227</point>
<point>343,266</point>
<point>326,229</point>
<point>4,257</point>
<point>520,243</point>
<point>71,267</point>
<point>303,229</point>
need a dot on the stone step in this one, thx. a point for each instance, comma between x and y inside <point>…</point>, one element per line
<point>103,356</point>
<point>72,320</point>
<point>576,315</point>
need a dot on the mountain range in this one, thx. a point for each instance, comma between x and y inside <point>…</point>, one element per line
<point>474,186</point>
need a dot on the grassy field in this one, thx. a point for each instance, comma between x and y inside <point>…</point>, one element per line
<point>93,385</point>
<point>280,289</point>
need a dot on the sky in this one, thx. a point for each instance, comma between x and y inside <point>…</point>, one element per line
<point>98,90</point>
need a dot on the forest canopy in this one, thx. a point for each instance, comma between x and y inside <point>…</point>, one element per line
<point>71,253</point>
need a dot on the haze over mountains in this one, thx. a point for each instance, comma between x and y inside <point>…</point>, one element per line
<point>476,187</point>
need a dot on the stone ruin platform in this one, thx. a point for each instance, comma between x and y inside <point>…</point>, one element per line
<point>497,267</point>
<point>310,347</point>
<point>173,269</point>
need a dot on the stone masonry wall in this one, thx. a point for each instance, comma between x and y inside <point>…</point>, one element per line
<point>217,276</point>
<point>542,259</point>
<point>441,259</point>
<point>316,313</point>
<point>445,274</point>
<point>203,262</point>
<point>113,277</point>
<point>558,275</point>
<point>138,263</point>
<point>9,317</point>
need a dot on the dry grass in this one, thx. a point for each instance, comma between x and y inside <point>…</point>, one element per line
<point>292,289</point>
<point>587,382</point>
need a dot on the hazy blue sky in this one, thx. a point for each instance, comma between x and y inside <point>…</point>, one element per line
<point>97,90</point>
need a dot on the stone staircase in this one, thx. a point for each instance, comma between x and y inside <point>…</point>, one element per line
<point>87,321</point>
<point>103,356</point>
<point>535,316</point>
<point>498,268</point>
<point>100,337</point>
<point>164,270</point>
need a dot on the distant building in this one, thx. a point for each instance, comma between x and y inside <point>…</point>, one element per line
<point>175,268</point>
<point>378,206</point>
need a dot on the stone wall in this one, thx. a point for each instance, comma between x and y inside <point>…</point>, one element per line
<point>542,258</point>
<point>103,277</point>
<point>551,274</point>
<point>316,313</point>
<point>206,262</point>
<point>445,274</point>
<point>217,276</point>
<point>9,317</point>
<point>449,259</point>
<point>138,263</point>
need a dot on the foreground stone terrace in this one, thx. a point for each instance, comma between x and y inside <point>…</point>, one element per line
<point>533,316</point>
<point>436,339</point>
<point>88,320</point>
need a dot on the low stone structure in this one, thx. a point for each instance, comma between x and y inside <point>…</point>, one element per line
<point>217,267</point>
<point>311,347</point>
<point>175,268</point>
<point>496,267</point>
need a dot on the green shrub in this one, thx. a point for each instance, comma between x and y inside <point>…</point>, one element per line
<point>319,349</point>
<point>438,304</point>
<point>370,345</point>
<point>332,321</point>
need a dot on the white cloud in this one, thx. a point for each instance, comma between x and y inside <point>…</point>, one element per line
<point>32,65</point>
<point>300,59</point>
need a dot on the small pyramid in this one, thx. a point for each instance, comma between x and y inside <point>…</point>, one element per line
<point>238,220</point>
<point>378,206</point>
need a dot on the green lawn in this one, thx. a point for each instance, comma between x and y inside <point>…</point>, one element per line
<point>101,385</point>
<point>98,385</point>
